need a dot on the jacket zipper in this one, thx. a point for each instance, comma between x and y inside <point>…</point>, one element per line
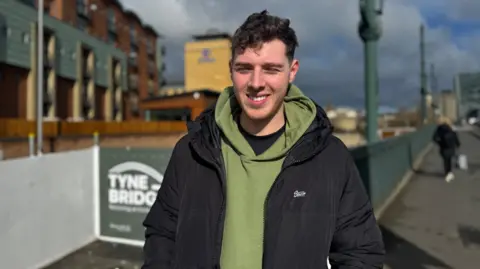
<point>221,217</point>
<point>275,182</point>
<point>220,168</point>
<point>265,205</point>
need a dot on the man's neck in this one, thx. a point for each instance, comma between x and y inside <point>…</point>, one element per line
<point>263,127</point>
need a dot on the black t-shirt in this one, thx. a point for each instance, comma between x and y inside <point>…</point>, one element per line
<point>260,144</point>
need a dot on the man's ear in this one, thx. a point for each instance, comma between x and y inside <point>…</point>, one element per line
<point>293,70</point>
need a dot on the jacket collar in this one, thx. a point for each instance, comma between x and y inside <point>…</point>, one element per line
<point>205,136</point>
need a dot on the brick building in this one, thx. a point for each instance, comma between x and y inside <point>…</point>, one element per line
<point>100,60</point>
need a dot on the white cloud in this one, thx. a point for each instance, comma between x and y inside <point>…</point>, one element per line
<point>331,52</point>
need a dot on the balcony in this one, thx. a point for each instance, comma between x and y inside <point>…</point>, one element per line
<point>152,69</point>
<point>47,98</point>
<point>49,51</point>
<point>112,27</point>
<point>47,60</point>
<point>82,10</point>
<point>112,37</point>
<point>118,74</point>
<point>134,104</point>
<point>151,88</point>
<point>133,59</point>
<point>115,110</point>
<point>133,82</point>
<point>150,49</point>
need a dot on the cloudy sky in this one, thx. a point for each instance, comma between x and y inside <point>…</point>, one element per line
<point>330,52</point>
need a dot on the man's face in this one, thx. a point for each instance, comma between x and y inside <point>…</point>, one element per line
<point>261,77</point>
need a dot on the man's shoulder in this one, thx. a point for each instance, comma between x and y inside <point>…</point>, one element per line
<point>336,149</point>
<point>334,156</point>
<point>182,147</point>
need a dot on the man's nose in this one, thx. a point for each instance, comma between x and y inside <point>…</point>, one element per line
<point>257,80</point>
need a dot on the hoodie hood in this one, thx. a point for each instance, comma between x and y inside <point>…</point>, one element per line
<point>205,133</point>
<point>299,112</point>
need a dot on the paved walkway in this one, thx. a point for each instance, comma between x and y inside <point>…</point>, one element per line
<point>101,255</point>
<point>434,224</point>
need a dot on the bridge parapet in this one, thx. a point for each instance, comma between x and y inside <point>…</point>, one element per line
<point>385,165</point>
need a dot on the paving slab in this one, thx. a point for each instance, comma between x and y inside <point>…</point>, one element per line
<point>102,255</point>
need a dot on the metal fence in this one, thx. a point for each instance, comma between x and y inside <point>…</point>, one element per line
<point>384,164</point>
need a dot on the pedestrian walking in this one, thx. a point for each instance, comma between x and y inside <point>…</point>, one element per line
<point>447,140</point>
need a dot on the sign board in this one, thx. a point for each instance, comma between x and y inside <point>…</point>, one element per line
<point>128,184</point>
<point>206,56</point>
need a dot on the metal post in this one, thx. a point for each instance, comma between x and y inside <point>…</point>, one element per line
<point>435,93</point>
<point>31,144</point>
<point>40,78</point>
<point>96,140</point>
<point>370,31</point>
<point>423,78</point>
<point>371,90</point>
<point>433,80</point>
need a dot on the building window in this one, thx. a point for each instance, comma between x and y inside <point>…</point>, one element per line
<point>112,37</point>
<point>150,45</point>
<point>81,6</point>
<point>82,23</point>
<point>133,38</point>
<point>83,17</point>
<point>111,20</point>
<point>47,8</point>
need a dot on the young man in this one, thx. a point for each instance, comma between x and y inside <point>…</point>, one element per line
<point>260,181</point>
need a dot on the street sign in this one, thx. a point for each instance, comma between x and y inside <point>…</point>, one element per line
<point>129,180</point>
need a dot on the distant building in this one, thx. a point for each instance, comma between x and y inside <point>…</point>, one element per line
<point>467,91</point>
<point>100,60</point>
<point>446,102</point>
<point>344,119</point>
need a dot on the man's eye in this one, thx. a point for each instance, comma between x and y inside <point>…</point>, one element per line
<point>242,70</point>
<point>272,71</point>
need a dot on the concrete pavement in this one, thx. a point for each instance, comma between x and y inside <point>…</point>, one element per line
<point>434,224</point>
<point>102,255</point>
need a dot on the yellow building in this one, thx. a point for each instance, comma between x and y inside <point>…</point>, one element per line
<point>206,75</point>
<point>206,62</point>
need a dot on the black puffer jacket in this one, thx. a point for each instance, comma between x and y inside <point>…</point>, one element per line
<point>333,219</point>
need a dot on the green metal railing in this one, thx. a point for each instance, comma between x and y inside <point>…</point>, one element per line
<point>383,164</point>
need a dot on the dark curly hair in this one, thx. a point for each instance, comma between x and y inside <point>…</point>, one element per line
<point>262,27</point>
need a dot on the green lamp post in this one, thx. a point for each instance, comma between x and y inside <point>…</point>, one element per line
<point>370,31</point>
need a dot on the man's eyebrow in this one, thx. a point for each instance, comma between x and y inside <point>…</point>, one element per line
<point>277,65</point>
<point>243,64</point>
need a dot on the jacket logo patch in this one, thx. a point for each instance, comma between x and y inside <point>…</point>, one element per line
<point>297,194</point>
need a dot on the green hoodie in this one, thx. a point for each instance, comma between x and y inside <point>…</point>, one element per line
<point>249,177</point>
